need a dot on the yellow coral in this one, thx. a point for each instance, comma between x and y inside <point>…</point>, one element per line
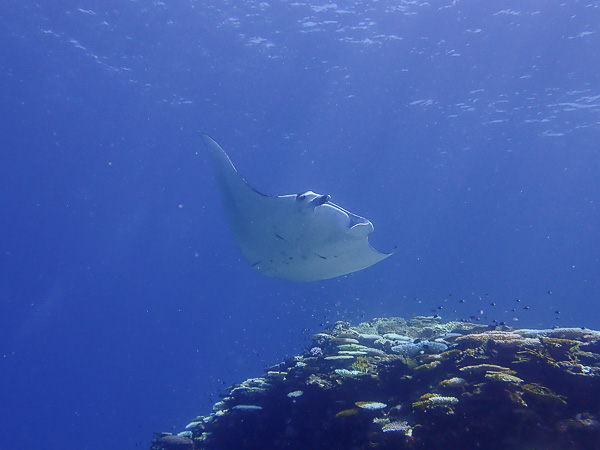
<point>453,382</point>
<point>449,354</point>
<point>427,367</point>
<point>437,401</point>
<point>558,353</point>
<point>482,338</point>
<point>543,394</point>
<point>487,368</point>
<point>503,377</point>
<point>347,412</point>
<point>361,364</point>
<point>558,348</point>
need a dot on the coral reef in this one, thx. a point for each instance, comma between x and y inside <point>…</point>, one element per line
<point>415,383</point>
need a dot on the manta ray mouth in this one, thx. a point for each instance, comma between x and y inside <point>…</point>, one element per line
<point>320,200</point>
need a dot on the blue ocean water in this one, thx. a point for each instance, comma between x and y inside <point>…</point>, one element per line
<point>466,131</point>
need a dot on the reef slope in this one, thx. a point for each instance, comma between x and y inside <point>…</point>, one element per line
<point>417,383</point>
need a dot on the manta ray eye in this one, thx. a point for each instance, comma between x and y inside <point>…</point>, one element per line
<point>300,197</point>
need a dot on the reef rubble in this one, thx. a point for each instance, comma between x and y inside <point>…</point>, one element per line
<point>416,383</point>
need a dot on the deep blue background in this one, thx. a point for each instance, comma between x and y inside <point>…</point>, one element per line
<point>466,131</point>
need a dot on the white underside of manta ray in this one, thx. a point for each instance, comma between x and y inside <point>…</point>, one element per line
<point>301,237</point>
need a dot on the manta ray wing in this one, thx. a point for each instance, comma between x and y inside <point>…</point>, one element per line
<point>295,237</point>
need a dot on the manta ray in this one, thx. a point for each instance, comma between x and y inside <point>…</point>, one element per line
<point>297,237</point>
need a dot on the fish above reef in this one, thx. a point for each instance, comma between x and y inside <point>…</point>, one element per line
<point>297,237</point>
